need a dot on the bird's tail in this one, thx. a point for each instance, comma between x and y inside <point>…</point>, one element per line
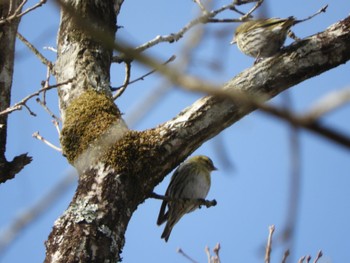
<point>167,231</point>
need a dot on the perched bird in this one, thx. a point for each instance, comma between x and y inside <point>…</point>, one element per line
<point>263,38</point>
<point>191,180</point>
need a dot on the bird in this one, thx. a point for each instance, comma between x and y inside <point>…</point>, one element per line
<point>262,38</point>
<point>190,181</point>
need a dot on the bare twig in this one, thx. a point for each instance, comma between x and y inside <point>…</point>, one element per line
<point>172,58</point>
<point>126,80</point>
<point>176,36</point>
<point>269,244</point>
<point>18,105</point>
<point>301,260</point>
<point>216,250</point>
<point>207,252</point>
<point>46,108</point>
<point>318,256</point>
<point>180,251</point>
<point>199,201</point>
<point>36,135</point>
<point>201,6</point>
<point>224,20</point>
<point>256,6</point>
<point>285,256</point>
<point>17,13</point>
<point>56,124</point>
<point>46,83</point>
<point>44,60</point>
<point>322,10</point>
<point>216,257</point>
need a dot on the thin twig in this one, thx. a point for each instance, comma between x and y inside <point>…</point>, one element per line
<point>46,108</point>
<point>29,110</point>
<point>301,260</point>
<point>199,201</point>
<point>207,252</point>
<point>256,6</point>
<point>201,6</point>
<point>17,15</point>
<point>36,135</point>
<point>18,105</point>
<point>46,83</point>
<point>269,244</point>
<point>318,256</point>
<point>180,251</point>
<point>322,10</point>
<point>224,20</point>
<point>285,256</point>
<point>44,60</point>
<point>172,58</point>
<point>56,124</point>
<point>216,251</point>
<point>126,80</point>
<point>176,36</point>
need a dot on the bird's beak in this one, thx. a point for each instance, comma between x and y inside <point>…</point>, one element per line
<point>233,41</point>
<point>215,169</point>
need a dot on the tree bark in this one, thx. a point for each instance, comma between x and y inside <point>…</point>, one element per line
<point>8,30</point>
<point>119,168</point>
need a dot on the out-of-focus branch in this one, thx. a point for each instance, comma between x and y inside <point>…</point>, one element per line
<point>330,102</point>
<point>11,232</point>
<point>44,60</point>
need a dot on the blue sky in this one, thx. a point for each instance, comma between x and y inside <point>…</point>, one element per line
<point>252,193</point>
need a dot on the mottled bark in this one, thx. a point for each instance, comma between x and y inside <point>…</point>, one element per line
<point>118,168</point>
<point>8,31</point>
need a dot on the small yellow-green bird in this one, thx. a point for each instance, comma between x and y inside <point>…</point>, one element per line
<point>263,38</point>
<point>191,180</point>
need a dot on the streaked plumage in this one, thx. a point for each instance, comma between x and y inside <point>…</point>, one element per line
<point>190,180</point>
<point>263,38</point>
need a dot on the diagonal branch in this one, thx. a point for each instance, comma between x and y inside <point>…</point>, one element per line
<point>248,91</point>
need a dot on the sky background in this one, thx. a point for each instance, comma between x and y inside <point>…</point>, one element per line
<point>252,186</point>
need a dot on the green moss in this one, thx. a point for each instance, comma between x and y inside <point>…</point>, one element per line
<point>132,149</point>
<point>87,118</point>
